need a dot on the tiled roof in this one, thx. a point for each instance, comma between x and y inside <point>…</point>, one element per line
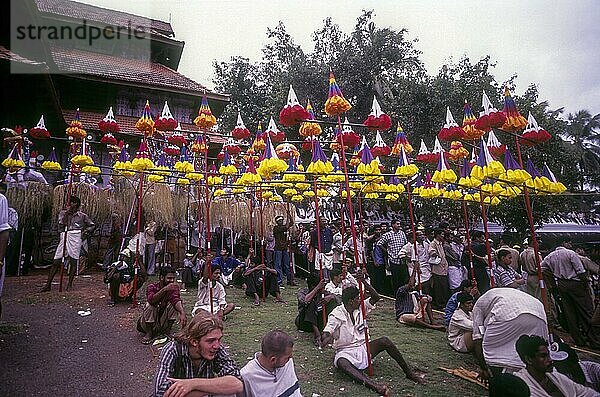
<point>127,123</point>
<point>7,54</point>
<point>123,69</point>
<point>73,9</point>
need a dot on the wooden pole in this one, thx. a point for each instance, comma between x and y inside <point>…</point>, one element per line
<point>137,244</point>
<point>353,229</point>
<point>536,246</point>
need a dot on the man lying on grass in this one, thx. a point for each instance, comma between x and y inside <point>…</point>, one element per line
<point>346,329</point>
<point>196,364</point>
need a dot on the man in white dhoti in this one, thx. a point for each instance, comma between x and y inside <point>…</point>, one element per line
<point>77,226</point>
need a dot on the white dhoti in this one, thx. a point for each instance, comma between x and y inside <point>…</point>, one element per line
<point>324,259</point>
<point>356,355</point>
<point>215,309</point>
<point>73,245</point>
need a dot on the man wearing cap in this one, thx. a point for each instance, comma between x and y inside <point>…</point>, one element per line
<point>460,329</point>
<point>281,254</point>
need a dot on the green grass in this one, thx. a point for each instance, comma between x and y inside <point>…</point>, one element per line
<point>12,328</point>
<point>426,349</point>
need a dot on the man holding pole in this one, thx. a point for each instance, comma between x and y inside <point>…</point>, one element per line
<point>282,256</point>
<point>76,226</point>
<point>346,329</point>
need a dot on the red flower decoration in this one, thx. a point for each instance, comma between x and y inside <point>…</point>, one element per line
<point>108,139</point>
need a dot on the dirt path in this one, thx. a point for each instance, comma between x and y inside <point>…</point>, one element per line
<point>48,349</point>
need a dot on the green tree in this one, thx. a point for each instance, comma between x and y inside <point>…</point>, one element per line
<point>584,130</point>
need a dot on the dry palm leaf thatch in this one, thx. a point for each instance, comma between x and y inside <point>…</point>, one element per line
<point>235,213</point>
<point>123,196</point>
<point>181,202</point>
<point>94,201</point>
<point>157,204</point>
<point>30,202</point>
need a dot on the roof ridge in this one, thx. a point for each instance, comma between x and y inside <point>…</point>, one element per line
<point>47,4</point>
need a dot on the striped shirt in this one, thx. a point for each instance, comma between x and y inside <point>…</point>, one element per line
<point>505,276</point>
<point>175,362</point>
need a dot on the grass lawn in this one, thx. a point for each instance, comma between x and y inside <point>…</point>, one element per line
<point>426,349</point>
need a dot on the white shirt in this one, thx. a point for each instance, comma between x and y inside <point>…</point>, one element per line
<point>345,332</point>
<point>4,225</point>
<point>459,324</point>
<point>260,382</point>
<point>348,281</point>
<point>503,304</point>
<point>133,245</point>
<point>218,295</point>
<point>422,256</point>
<point>565,385</point>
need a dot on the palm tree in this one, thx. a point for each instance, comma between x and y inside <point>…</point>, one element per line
<point>584,130</point>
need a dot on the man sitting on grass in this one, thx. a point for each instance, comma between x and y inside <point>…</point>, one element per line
<point>311,303</point>
<point>213,289</point>
<point>195,363</point>
<point>465,286</point>
<point>271,372</point>
<point>346,329</point>
<point>228,265</point>
<point>162,307</point>
<point>256,273</point>
<point>410,307</point>
<point>460,329</point>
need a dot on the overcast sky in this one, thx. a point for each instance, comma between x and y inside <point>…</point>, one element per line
<point>555,44</point>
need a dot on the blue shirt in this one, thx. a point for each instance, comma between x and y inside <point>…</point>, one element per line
<point>450,308</point>
<point>378,257</point>
<point>227,265</point>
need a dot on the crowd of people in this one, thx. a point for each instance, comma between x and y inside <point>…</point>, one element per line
<point>441,274</point>
<point>490,294</point>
